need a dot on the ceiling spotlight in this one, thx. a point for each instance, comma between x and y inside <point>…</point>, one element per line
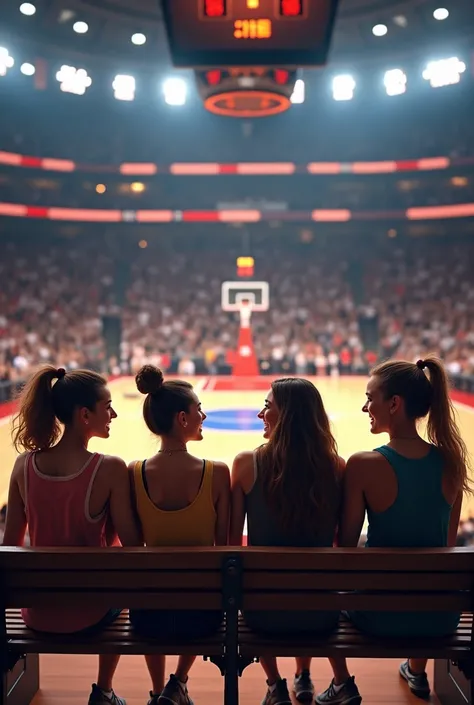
<point>6,61</point>
<point>138,39</point>
<point>441,13</point>
<point>124,87</point>
<point>175,91</point>
<point>27,8</point>
<point>343,87</point>
<point>27,69</point>
<point>445,72</point>
<point>395,82</point>
<point>80,27</point>
<point>298,94</point>
<point>380,30</point>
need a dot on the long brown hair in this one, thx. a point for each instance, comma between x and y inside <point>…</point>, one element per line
<point>44,406</point>
<point>429,396</point>
<point>299,466</point>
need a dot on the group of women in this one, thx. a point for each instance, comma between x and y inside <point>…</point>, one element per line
<point>294,490</point>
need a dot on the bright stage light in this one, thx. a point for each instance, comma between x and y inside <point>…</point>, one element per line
<point>124,87</point>
<point>80,27</point>
<point>27,8</point>
<point>73,80</point>
<point>138,39</point>
<point>444,72</point>
<point>380,30</point>
<point>6,61</point>
<point>395,82</point>
<point>441,13</point>
<point>298,94</point>
<point>175,91</point>
<point>343,87</point>
<point>27,69</point>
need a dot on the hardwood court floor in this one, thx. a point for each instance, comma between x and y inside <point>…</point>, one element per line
<point>65,680</point>
<point>131,440</point>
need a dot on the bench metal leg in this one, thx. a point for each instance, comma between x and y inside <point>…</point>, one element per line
<point>232,597</point>
<point>22,682</point>
<point>451,685</point>
<point>231,675</point>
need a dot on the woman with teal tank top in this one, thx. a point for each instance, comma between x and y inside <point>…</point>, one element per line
<point>412,492</point>
<point>290,492</point>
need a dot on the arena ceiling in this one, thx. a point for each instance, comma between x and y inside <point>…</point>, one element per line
<point>410,23</point>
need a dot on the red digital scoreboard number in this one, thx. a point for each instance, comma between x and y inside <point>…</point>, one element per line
<point>215,8</point>
<point>291,8</point>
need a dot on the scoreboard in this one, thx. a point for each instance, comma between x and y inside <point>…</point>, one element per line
<point>221,33</point>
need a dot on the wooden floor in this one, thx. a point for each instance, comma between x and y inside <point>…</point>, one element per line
<point>65,680</point>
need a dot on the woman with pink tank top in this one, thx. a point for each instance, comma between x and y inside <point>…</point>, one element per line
<point>67,496</point>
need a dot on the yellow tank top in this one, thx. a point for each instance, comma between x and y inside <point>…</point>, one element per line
<point>192,526</point>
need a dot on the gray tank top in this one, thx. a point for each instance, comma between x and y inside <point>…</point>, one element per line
<point>264,529</point>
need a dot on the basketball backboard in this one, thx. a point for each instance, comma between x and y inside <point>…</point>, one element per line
<point>236,292</point>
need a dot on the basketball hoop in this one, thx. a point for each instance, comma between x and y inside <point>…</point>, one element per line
<point>245,308</point>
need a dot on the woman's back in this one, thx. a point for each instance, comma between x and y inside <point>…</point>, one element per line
<point>264,528</point>
<point>58,506</point>
<point>418,514</point>
<point>176,501</point>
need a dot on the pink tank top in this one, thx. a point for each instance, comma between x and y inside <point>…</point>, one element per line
<point>57,511</point>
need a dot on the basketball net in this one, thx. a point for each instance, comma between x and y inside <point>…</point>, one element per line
<point>245,314</point>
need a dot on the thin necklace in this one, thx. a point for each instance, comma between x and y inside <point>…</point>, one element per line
<point>404,438</point>
<point>170,451</point>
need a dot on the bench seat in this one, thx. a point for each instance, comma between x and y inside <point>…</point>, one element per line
<point>117,638</point>
<point>346,640</point>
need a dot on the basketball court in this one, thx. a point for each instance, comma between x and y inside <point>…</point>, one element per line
<point>232,404</point>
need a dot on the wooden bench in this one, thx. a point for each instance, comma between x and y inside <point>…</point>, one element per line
<point>235,580</point>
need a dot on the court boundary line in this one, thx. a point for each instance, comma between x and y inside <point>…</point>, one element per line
<point>200,384</point>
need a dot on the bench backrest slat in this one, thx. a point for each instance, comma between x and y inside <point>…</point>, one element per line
<point>392,602</point>
<point>271,578</point>
<point>346,580</point>
<point>139,599</point>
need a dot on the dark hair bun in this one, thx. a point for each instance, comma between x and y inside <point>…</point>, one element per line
<point>149,379</point>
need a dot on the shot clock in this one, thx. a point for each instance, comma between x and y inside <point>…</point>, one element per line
<point>237,33</point>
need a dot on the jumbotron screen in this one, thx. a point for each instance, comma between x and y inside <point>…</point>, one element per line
<point>211,33</point>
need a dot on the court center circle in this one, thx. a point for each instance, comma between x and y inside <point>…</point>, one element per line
<point>233,420</point>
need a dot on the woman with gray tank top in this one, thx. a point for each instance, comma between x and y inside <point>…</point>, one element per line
<point>290,491</point>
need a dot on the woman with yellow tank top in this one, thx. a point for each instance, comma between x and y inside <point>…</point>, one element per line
<point>180,500</point>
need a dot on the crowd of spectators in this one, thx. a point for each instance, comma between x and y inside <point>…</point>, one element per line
<point>333,310</point>
<point>424,296</point>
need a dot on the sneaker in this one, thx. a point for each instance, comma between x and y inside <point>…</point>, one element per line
<point>303,687</point>
<point>174,693</point>
<point>153,699</point>
<point>279,695</point>
<point>417,682</point>
<point>345,694</point>
<point>98,697</point>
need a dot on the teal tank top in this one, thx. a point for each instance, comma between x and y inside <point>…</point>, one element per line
<point>418,518</point>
